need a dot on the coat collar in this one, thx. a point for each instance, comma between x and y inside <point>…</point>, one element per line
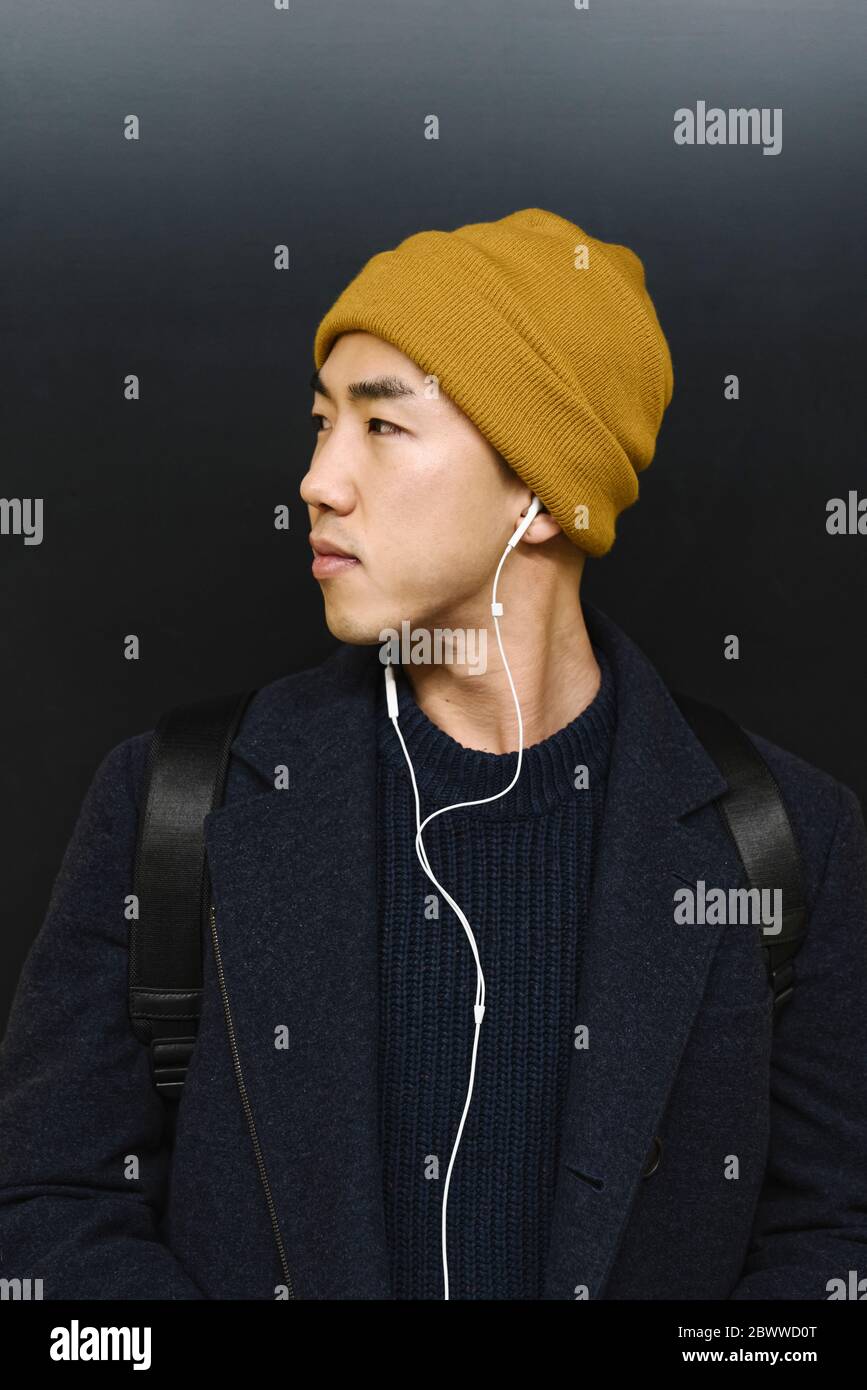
<point>307,711</point>
<point>294,881</point>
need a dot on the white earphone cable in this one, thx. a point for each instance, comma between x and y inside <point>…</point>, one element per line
<point>479,1006</point>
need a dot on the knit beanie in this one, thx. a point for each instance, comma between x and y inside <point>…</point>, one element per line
<point>545,338</point>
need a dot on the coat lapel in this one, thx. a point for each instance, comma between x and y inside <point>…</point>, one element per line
<point>294,881</point>
<point>294,885</point>
<point>643,975</point>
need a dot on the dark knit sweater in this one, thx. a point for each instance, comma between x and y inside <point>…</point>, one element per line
<point>521,869</point>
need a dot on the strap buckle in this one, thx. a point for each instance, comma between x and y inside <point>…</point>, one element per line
<point>783,982</point>
<point>170,1059</point>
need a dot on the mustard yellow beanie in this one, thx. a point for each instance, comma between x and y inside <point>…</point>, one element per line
<point>544,337</point>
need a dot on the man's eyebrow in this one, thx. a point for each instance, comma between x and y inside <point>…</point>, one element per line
<point>380,388</point>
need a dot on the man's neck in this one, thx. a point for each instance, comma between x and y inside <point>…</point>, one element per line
<point>554,669</point>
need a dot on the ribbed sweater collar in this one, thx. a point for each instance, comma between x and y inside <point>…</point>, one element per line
<point>447,772</point>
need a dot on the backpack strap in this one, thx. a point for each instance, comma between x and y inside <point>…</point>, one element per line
<point>755,816</point>
<point>184,780</point>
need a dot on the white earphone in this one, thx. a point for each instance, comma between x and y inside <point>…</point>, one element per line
<point>392,705</point>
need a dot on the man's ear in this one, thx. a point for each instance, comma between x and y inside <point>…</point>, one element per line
<point>541,528</point>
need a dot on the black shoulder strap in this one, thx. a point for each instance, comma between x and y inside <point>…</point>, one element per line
<point>185,779</point>
<point>755,816</point>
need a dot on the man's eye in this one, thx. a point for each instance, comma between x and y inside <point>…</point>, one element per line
<point>393,429</point>
<point>319,423</point>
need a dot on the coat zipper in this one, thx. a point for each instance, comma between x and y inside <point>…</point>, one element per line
<point>248,1111</point>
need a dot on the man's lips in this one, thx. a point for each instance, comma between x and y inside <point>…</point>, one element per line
<point>330,559</point>
<point>325,565</point>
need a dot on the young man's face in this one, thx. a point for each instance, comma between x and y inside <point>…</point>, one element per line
<point>409,486</point>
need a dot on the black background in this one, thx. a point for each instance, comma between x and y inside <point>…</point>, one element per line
<point>262,127</point>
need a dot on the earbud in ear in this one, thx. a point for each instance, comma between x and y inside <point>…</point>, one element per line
<point>532,512</point>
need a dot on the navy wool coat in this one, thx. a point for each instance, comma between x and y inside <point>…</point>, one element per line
<point>683,1072</point>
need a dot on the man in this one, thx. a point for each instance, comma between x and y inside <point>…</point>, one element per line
<point>638,1125</point>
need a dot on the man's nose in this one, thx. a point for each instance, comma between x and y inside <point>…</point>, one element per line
<point>328,481</point>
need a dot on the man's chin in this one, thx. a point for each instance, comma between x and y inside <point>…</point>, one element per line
<point>348,626</point>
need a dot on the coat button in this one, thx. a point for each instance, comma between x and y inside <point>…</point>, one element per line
<point>652,1161</point>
